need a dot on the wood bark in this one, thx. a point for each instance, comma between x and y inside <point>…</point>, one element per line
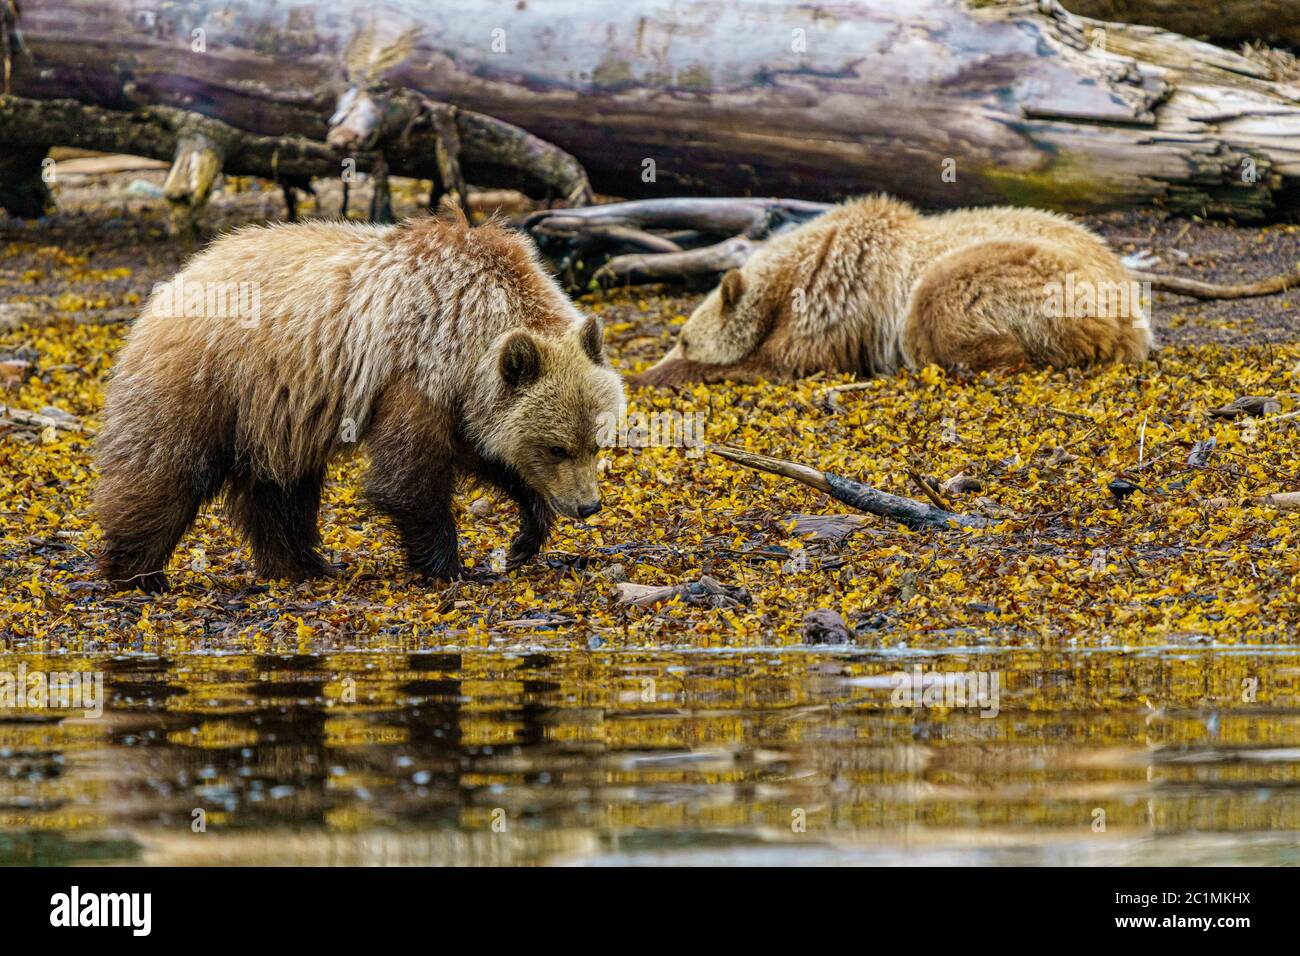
<point>1226,21</point>
<point>943,102</point>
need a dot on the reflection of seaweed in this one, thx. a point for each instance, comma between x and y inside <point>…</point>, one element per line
<point>366,57</point>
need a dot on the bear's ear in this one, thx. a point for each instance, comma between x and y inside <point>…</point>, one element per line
<point>732,288</point>
<point>521,360</point>
<point>593,339</point>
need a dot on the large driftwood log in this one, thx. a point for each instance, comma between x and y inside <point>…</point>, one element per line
<point>1228,21</point>
<point>944,102</point>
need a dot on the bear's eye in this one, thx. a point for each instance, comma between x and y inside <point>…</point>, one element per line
<point>558,453</point>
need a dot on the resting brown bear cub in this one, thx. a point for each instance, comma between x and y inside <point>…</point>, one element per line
<point>444,349</point>
<point>873,286</point>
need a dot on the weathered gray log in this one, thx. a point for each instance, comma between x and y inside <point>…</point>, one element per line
<point>657,240</point>
<point>944,102</point>
<point>1227,21</point>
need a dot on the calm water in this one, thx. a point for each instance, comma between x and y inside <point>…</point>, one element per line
<point>1173,755</point>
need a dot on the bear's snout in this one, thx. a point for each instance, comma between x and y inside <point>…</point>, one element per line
<point>588,509</point>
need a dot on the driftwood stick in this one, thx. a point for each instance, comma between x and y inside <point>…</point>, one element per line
<point>189,182</point>
<point>907,511</point>
<point>656,267</point>
<point>1197,289</point>
<point>723,217</point>
<point>1283,501</point>
<point>929,490</point>
<point>450,180</point>
<point>628,236</point>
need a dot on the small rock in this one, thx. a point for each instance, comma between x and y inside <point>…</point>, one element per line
<point>825,626</point>
<point>480,507</point>
<point>24,353</point>
<point>615,573</point>
<point>1200,453</point>
<point>145,189</point>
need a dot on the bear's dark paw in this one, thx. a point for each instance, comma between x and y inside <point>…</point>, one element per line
<point>438,569</point>
<point>306,568</point>
<point>523,549</point>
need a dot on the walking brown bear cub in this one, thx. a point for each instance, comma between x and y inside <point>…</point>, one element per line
<point>872,286</point>
<point>445,349</point>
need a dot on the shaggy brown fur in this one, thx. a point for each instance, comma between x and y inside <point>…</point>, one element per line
<point>872,286</point>
<point>445,350</point>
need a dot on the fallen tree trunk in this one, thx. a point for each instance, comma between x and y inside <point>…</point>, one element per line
<point>1226,21</point>
<point>943,102</point>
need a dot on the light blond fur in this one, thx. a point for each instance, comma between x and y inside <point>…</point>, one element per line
<point>445,349</point>
<point>873,286</point>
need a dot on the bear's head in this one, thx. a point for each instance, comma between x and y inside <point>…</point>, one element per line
<point>729,325</point>
<point>556,397</point>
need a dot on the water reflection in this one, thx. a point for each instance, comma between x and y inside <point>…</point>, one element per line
<point>1158,756</point>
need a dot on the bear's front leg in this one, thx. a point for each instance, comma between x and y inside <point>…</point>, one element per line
<point>535,515</point>
<point>680,372</point>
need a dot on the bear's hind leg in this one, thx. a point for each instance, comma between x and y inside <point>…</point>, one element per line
<point>280,523</point>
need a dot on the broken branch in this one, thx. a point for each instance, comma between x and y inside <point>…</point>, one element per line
<point>916,515</point>
<point>1196,289</point>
